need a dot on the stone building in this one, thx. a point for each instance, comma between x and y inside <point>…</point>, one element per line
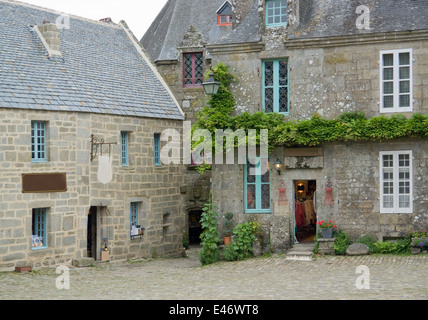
<point>299,58</point>
<point>176,43</point>
<point>82,110</point>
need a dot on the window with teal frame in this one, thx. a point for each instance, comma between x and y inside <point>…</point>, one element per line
<point>276,13</point>
<point>157,159</point>
<point>275,86</point>
<point>257,187</point>
<point>124,148</point>
<point>134,214</point>
<point>38,141</point>
<point>39,228</point>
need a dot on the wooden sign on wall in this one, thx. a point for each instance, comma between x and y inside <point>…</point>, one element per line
<point>44,182</point>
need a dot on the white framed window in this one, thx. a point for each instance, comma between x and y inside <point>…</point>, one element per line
<point>396,185</point>
<point>396,81</point>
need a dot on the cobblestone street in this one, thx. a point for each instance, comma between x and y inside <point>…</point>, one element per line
<point>264,278</point>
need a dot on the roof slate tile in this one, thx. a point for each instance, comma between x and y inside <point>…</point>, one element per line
<point>99,65</point>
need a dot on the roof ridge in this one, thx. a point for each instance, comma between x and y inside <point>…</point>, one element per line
<point>37,7</point>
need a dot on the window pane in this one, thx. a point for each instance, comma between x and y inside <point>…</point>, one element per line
<point>269,73</point>
<point>283,73</point>
<point>404,73</point>
<point>388,59</point>
<point>283,99</point>
<point>388,102</point>
<point>404,58</point>
<point>38,228</point>
<point>404,101</point>
<point>251,177</point>
<point>404,86</point>
<point>269,100</point>
<point>134,214</point>
<point>251,196</point>
<point>265,196</point>
<point>188,66</point>
<point>404,160</point>
<point>388,74</point>
<point>264,171</point>
<point>404,201</point>
<point>156,148</point>
<point>388,202</point>
<point>388,160</point>
<point>388,88</point>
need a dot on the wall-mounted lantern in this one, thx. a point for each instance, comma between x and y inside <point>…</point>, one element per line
<point>211,86</point>
<point>278,166</point>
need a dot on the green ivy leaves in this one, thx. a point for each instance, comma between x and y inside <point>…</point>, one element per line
<point>350,126</point>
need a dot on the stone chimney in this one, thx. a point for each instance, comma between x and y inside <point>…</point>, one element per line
<point>50,36</point>
<point>107,20</point>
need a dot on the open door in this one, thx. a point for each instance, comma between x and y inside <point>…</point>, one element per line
<point>93,233</point>
<point>195,228</point>
<point>305,210</point>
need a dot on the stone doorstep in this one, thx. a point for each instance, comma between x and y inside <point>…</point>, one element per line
<point>299,255</point>
<point>83,262</point>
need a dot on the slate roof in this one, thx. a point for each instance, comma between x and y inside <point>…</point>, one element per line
<point>100,71</point>
<point>246,31</point>
<point>329,18</point>
<point>167,30</point>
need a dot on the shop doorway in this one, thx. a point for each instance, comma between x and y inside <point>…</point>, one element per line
<point>305,210</point>
<point>92,232</point>
<point>195,227</point>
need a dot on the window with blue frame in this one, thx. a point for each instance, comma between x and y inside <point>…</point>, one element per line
<point>124,148</point>
<point>134,214</point>
<point>38,141</point>
<point>157,159</point>
<point>275,86</point>
<point>276,13</point>
<point>257,186</point>
<point>39,228</point>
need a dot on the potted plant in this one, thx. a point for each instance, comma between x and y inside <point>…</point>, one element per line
<point>228,228</point>
<point>327,228</point>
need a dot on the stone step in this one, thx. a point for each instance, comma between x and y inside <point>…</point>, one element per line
<point>83,262</point>
<point>299,255</point>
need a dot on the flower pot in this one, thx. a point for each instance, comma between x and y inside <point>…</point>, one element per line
<point>327,233</point>
<point>227,240</point>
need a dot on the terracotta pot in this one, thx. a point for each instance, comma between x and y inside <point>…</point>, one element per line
<point>227,240</point>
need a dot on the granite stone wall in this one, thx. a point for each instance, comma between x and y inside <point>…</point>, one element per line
<point>156,189</point>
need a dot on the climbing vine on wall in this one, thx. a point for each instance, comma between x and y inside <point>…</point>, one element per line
<point>350,126</point>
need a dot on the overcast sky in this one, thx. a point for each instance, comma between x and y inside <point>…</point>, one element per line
<point>138,14</point>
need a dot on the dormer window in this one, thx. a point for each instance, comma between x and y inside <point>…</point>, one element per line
<point>224,14</point>
<point>276,13</point>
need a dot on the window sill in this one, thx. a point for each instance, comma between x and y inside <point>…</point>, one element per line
<point>137,236</point>
<point>259,211</point>
<point>38,248</point>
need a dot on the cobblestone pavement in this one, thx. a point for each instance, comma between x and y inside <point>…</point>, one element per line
<point>264,278</point>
